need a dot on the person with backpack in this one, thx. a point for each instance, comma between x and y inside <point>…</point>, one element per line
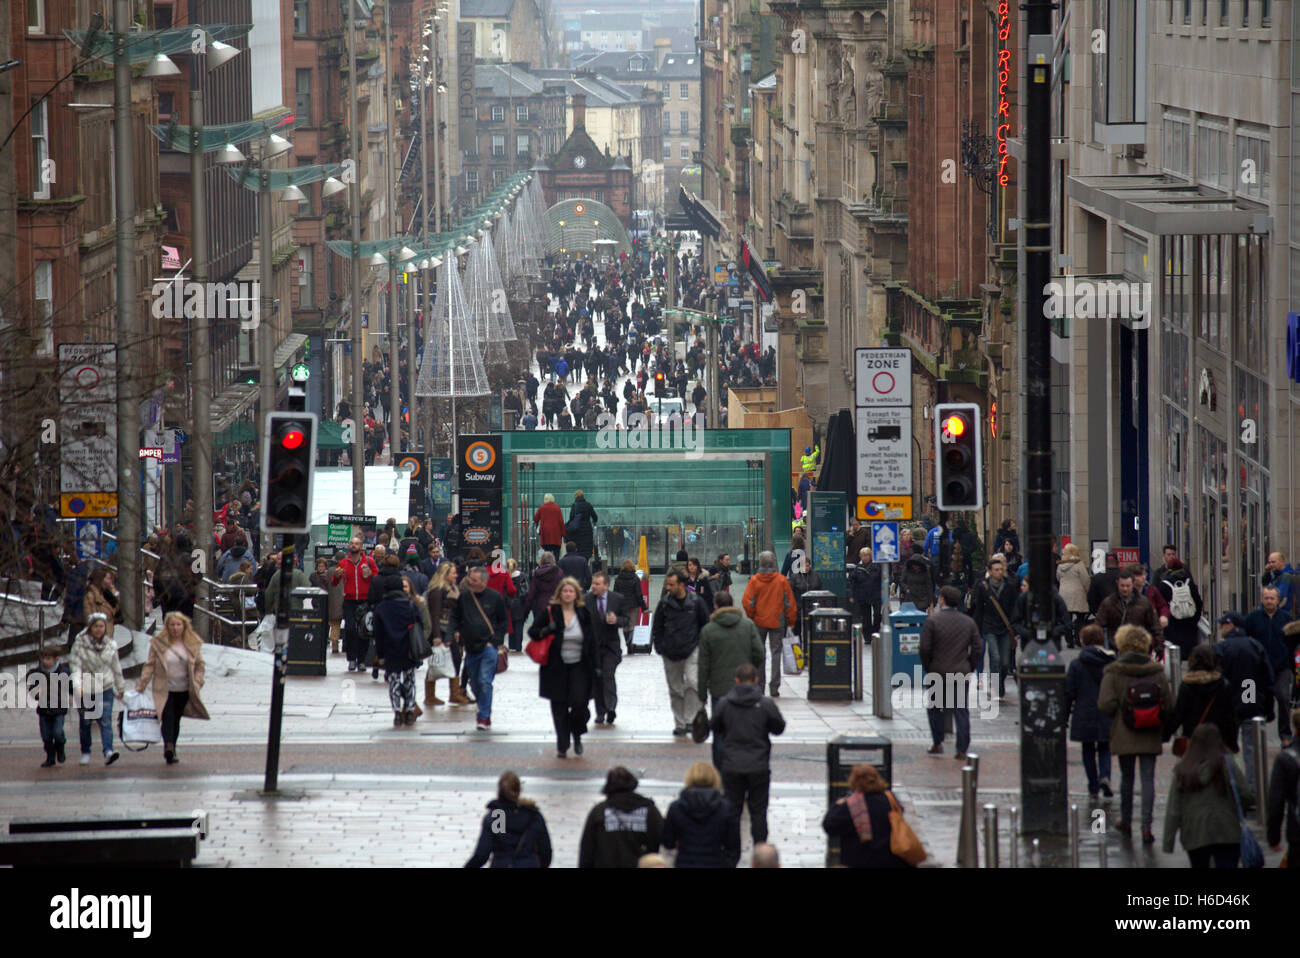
<point>1182,596</point>
<point>1135,694</point>
<point>1087,725</point>
<point>1204,803</point>
<point>1246,666</point>
<point>514,832</point>
<point>1284,795</point>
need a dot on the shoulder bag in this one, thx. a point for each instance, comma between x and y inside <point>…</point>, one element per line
<point>1252,856</point>
<point>503,657</point>
<point>1182,741</point>
<point>902,840</point>
<point>420,647</point>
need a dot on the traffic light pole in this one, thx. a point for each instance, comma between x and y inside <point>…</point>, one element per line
<point>1041,675</point>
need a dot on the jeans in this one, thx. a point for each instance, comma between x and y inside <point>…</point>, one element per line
<point>171,718</point>
<point>481,670</point>
<point>51,731</point>
<point>1225,855</point>
<point>1096,765</point>
<point>754,786</point>
<point>1146,767</point>
<point>774,640</point>
<point>683,678</point>
<point>961,721</point>
<point>999,655</point>
<point>1282,683</point>
<point>105,722</point>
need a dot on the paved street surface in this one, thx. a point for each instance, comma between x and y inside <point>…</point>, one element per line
<point>363,793</point>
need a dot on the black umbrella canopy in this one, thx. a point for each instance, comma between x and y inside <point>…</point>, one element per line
<point>840,457</point>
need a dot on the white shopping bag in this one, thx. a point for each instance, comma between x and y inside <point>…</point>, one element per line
<point>140,725</point>
<point>789,664</point>
<point>263,636</point>
<point>440,663</point>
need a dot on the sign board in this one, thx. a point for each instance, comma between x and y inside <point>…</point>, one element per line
<point>827,510</point>
<point>874,508</point>
<point>883,377</point>
<point>733,302</point>
<point>88,429</point>
<point>884,438</point>
<point>884,542</point>
<point>151,452</point>
<point>90,538</point>
<point>342,527</point>
<point>481,523</point>
<point>169,441</point>
<point>1127,556</point>
<point>478,462</point>
<point>440,486</point>
<point>720,276</point>
<point>413,464</point>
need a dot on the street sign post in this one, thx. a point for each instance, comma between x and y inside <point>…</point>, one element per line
<point>883,396</point>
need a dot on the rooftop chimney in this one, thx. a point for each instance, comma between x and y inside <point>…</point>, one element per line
<point>579,111</point>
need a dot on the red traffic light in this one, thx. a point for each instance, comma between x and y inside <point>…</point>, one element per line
<point>954,426</point>
<point>292,439</point>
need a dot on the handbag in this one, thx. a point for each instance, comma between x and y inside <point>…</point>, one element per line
<point>700,726</point>
<point>440,663</point>
<point>1252,856</point>
<point>1182,741</point>
<point>420,648</point>
<point>902,840</point>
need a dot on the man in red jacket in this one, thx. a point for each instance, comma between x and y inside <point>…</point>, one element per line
<point>357,569</point>
<point>549,520</point>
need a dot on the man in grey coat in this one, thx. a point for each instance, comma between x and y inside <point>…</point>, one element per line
<point>743,723</point>
<point>950,654</point>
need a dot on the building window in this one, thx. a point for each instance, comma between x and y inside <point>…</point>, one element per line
<point>1175,132</point>
<point>39,118</point>
<point>521,144</point>
<point>685,119</point>
<point>686,151</point>
<point>1223,13</point>
<point>1119,93</point>
<point>302,105</point>
<point>1252,162</point>
<point>496,176</point>
<point>163,15</point>
<point>306,278</point>
<point>166,104</point>
<point>1213,154</point>
<point>301,17</point>
<point>668,150</point>
<point>1187,12</point>
<point>521,114</point>
<point>1265,13</point>
<point>471,181</point>
<point>43,293</point>
<point>498,114</point>
<point>667,89</point>
<point>498,144</point>
<point>684,91</point>
<point>1205,12</point>
<point>668,122</point>
<point>35,16</point>
<point>636,66</point>
<point>1245,13</point>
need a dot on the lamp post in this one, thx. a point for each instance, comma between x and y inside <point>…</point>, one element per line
<point>358,341</point>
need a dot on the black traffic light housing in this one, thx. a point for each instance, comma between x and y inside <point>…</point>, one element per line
<point>958,457</point>
<point>659,382</point>
<point>288,459</point>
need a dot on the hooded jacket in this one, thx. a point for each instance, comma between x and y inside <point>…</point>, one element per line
<point>584,535</point>
<point>1243,660</point>
<point>744,721</point>
<point>918,583</point>
<point>619,831</point>
<point>704,829</point>
<point>91,664</point>
<point>525,842</point>
<point>393,620</point>
<point>1082,686</point>
<point>1116,679</point>
<point>1208,694</point>
<point>1208,815</point>
<point>628,585</point>
<point>541,590</point>
<point>675,629</point>
<point>229,563</point>
<point>728,641</point>
<point>769,601</point>
<point>1075,579</point>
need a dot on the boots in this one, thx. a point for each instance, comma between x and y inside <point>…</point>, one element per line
<point>457,696</point>
<point>431,693</point>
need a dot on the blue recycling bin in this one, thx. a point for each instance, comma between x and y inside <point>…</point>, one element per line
<point>905,630</point>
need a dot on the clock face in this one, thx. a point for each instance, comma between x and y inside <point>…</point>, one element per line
<point>579,161</point>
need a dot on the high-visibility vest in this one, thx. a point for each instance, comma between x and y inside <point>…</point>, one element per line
<point>809,463</point>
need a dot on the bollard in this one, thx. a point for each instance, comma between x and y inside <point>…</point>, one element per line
<point>857,663</point>
<point>973,760</point>
<point>967,837</point>
<point>1103,850</point>
<point>1013,859</point>
<point>1258,728</point>
<point>990,836</point>
<point>1035,854</point>
<point>1074,835</point>
<point>882,655</point>
<point>1174,666</point>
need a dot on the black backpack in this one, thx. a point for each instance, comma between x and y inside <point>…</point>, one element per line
<point>1143,705</point>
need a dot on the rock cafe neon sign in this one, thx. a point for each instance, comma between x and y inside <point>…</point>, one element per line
<point>1004,78</point>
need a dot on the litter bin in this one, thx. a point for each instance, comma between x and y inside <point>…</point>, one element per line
<point>810,600</point>
<point>308,633</point>
<point>905,627</point>
<point>842,753</point>
<point>828,643</point>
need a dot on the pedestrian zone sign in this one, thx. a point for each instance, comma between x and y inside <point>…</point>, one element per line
<point>884,541</point>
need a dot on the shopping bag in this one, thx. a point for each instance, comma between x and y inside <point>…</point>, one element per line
<point>789,660</point>
<point>440,663</point>
<point>139,724</point>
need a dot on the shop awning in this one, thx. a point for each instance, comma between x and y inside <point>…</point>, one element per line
<point>1166,206</point>
<point>228,407</point>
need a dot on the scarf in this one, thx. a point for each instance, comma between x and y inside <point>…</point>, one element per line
<point>857,803</point>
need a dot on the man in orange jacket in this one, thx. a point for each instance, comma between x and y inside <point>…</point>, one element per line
<point>769,602</point>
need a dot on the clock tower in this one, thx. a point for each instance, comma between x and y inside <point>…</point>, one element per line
<point>581,170</point>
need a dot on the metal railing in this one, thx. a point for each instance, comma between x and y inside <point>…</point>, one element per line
<point>40,605</point>
<point>239,589</point>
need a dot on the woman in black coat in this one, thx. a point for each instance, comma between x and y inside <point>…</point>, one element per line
<point>584,535</point>
<point>568,676</point>
<point>1204,692</point>
<point>541,588</point>
<point>514,832</point>
<point>628,584</point>
<point>865,843</point>
<point>701,824</point>
<point>698,580</point>
<point>1087,725</point>
<point>394,618</point>
<point>1184,633</point>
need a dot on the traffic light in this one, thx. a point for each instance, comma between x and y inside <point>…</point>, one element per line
<point>958,457</point>
<point>659,383</point>
<point>288,455</point>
